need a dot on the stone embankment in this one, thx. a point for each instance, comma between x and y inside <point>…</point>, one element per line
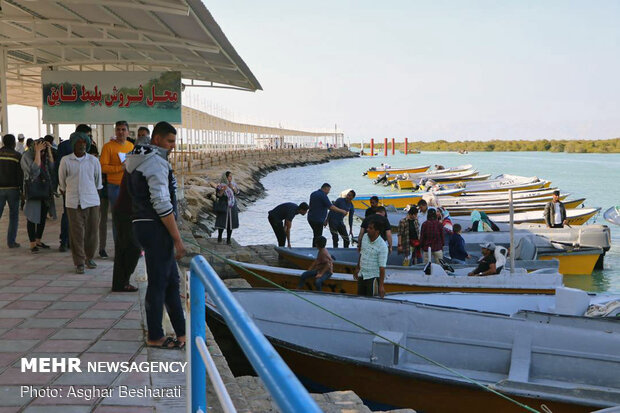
<point>247,168</point>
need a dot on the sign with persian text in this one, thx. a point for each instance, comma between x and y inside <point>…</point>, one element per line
<point>106,97</point>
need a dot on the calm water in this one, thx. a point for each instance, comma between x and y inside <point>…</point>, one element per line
<point>594,176</point>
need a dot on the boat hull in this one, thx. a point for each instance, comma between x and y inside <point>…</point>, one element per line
<point>400,200</point>
<point>374,174</point>
<point>574,264</point>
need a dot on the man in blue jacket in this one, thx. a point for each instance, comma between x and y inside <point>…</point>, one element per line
<point>336,219</point>
<point>152,187</point>
<point>317,214</point>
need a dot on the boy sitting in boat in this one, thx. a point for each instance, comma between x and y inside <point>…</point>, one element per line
<point>486,264</point>
<point>321,269</point>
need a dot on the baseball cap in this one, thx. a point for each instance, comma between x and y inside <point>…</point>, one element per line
<point>488,245</point>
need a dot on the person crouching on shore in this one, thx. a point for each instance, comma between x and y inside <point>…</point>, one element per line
<point>321,269</point>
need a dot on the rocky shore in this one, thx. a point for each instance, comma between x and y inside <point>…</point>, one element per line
<point>248,169</point>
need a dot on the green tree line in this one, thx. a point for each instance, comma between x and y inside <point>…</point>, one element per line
<point>543,145</point>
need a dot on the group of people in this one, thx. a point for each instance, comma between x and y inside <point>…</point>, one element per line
<point>140,187</point>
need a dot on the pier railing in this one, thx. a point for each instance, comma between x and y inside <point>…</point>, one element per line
<point>286,390</point>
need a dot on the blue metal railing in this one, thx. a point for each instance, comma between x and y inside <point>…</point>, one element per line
<point>286,390</point>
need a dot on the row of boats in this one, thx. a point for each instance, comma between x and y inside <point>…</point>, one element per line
<point>442,341</point>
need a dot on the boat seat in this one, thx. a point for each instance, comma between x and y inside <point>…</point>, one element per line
<point>520,358</point>
<point>525,249</point>
<point>384,352</point>
<point>571,301</point>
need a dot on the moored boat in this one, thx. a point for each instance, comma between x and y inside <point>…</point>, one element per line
<point>502,208</point>
<point>577,216</point>
<point>400,200</point>
<point>613,215</point>
<point>375,172</point>
<point>569,364</point>
<point>396,280</point>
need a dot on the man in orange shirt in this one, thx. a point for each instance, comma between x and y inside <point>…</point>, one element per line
<point>112,165</point>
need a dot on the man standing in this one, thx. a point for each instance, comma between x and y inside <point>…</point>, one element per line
<point>65,148</point>
<point>422,211</point>
<point>152,187</point>
<point>20,144</point>
<point>382,223</point>
<point>79,178</point>
<point>143,133</point>
<point>11,181</point>
<point>336,219</point>
<point>431,236</point>
<point>370,270</point>
<point>374,204</point>
<point>317,214</point>
<point>112,158</point>
<point>555,212</point>
<point>285,212</point>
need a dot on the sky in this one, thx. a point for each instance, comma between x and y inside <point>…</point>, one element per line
<point>428,70</point>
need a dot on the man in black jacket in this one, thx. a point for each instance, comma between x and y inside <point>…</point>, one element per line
<point>555,213</point>
<point>152,187</point>
<point>11,181</point>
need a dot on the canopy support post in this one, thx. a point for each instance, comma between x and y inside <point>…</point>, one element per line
<point>4,109</point>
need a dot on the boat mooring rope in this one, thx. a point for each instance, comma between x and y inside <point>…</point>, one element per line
<point>436,363</point>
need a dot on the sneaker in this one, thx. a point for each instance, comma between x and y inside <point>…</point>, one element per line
<point>44,246</point>
<point>103,254</point>
<point>62,248</point>
<point>91,264</point>
<point>79,269</point>
<point>14,245</point>
<point>35,250</point>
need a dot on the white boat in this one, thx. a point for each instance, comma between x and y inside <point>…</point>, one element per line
<point>577,216</point>
<point>403,279</point>
<point>613,215</point>
<point>567,301</point>
<point>567,363</point>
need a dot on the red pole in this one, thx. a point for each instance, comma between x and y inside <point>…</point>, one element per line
<point>392,146</point>
<point>372,147</point>
<point>406,146</point>
<point>384,146</point>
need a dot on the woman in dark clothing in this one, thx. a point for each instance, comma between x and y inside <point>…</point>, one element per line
<point>38,164</point>
<point>227,214</point>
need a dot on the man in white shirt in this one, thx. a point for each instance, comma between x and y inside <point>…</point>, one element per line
<point>79,178</point>
<point>20,143</point>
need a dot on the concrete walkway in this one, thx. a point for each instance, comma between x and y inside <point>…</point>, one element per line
<point>46,310</point>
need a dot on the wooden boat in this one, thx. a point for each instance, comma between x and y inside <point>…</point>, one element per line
<point>498,198</point>
<point>396,280</point>
<point>444,180</point>
<point>375,172</point>
<point>501,208</point>
<point>345,260</point>
<point>613,215</point>
<point>568,301</point>
<point>400,200</point>
<point>410,181</point>
<point>569,364</point>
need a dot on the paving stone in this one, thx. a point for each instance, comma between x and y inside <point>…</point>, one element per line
<point>28,305</point>
<point>102,314</point>
<point>96,357</point>
<point>51,346</point>
<point>10,346</point>
<point>11,396</point>
<point>130,324</point>
<point>14,376</point>
<point>60,313</point>
<point>77,334</point>
<point>70,305</point>
<point>54,290</point>
<point>27,334</point>
<point>17,313</point>
<point>7,358</point>
<point>82,297</point>
<point>87,378</point>
<point>43,297</point>
<point>9,409</point>
<point>124,335</point>
<point>116,347</point>
<point>29,283</point>
<point>113,305</point>
<point>132,297</point>
<point>65,283</point>
<point>92,323</point>
<point>9,322</point>
<point>70,398</point>
<point>44,322</point>
<point>10,296</point>
<point>58,409</point>
<point>10,289</point>
<point>123,409</point>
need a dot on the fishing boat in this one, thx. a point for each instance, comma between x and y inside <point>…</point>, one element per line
<point>577,216</point>
<point>410,181</point>
<point>399,358</point>
<point>613,215</point>
<point>503,207</point>
<point>400,200</point>
<point>376,171</point>
<point>500,198</point>
<point>568,301</point>
<point>398,279</point>
<point>345,260</point>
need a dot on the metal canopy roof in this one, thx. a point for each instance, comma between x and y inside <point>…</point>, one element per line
<point>109,35</point>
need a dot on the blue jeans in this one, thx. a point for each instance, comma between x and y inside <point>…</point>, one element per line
<point>113,191</point>
<point>455,261</point>
<point>163,277</point>
<point>10,196</point>
<point>318,283</point>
